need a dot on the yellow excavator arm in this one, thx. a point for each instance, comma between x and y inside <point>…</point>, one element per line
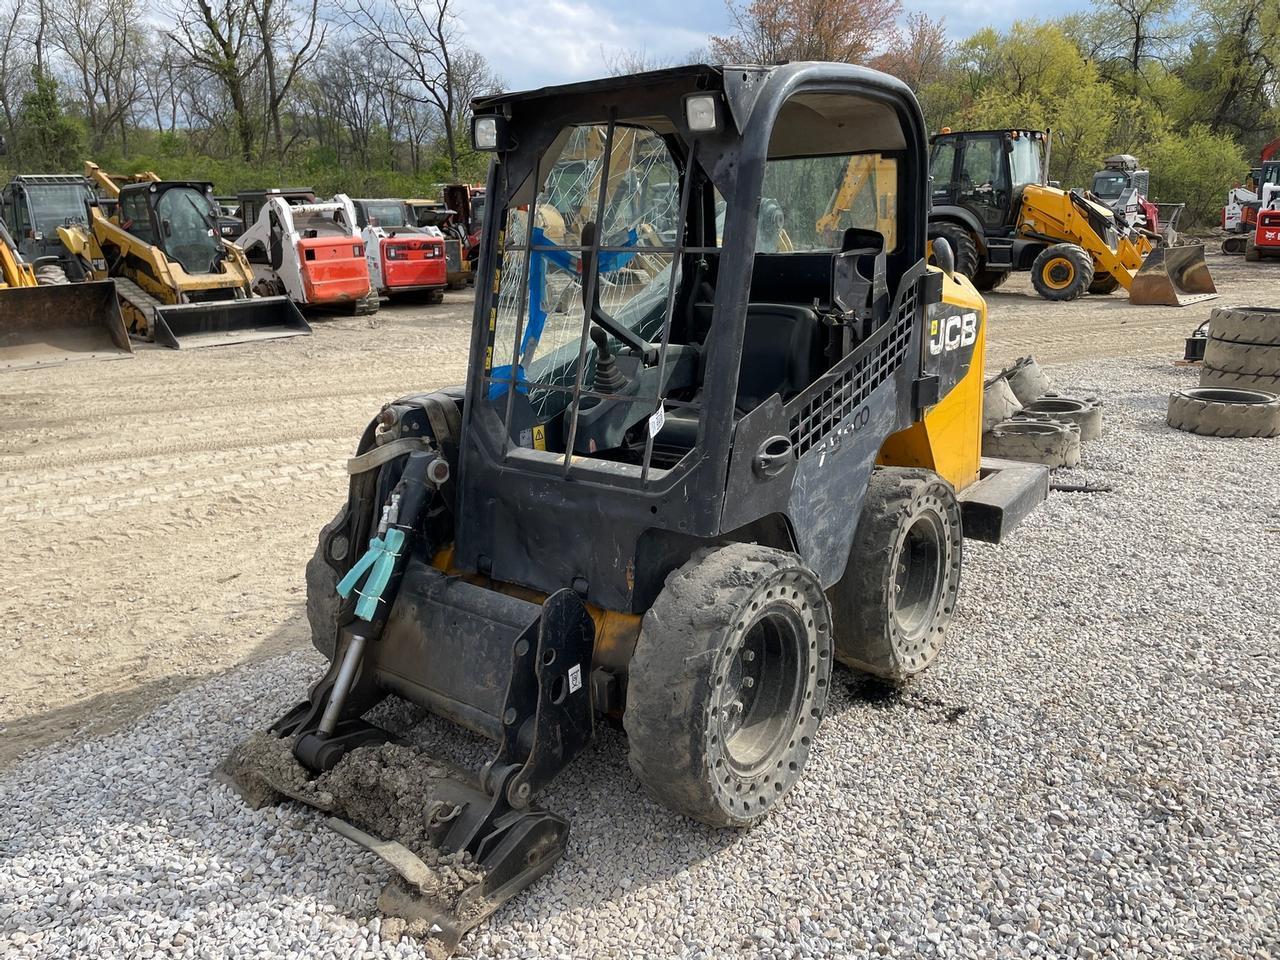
<point>864,170</point>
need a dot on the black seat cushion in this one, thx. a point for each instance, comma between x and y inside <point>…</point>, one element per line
<point>781,353</point>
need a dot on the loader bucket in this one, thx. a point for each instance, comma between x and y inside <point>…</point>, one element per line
<point>1173,277</point>
<point>187,325</point>
<point>46,325</point>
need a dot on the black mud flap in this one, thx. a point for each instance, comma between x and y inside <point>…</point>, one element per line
<point>218,322</point>
<point>461,843</point>
<point>1004,493</point>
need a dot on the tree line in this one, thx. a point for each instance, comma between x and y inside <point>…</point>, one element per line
<point>367,95</point>
<point>371,96</point>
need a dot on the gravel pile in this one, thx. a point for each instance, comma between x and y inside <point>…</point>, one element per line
<point>1089,770</point>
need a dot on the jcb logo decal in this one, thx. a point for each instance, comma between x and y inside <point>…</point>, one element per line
<point>952,333</point>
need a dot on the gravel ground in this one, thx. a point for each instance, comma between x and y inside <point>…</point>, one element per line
<point>1089,770</point>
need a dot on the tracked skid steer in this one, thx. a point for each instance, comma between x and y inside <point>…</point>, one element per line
<point>179,283</point>
<point>671,498</point>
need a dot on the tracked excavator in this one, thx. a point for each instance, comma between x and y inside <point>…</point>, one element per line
<point>180,284</point>
<point>46,324</point>
<point>675,509</point>
<point>993,203</point>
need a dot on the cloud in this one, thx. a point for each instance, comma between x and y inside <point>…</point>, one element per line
<point>560,41</point>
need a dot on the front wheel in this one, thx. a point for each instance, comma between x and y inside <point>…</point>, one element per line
<point>728,683</point>
<point>1063,271</point>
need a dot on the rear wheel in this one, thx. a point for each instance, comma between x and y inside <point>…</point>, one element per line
<point>987,280</point>
<point>728,683</point>
<point>1063,271</point>
<point>1103,283</point>
<point>962,244</point>
<point>898,594</point>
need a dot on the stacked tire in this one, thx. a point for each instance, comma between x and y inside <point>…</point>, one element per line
<point>1025,419</point>
<point>1239,392</point>
<point>1243,349</point>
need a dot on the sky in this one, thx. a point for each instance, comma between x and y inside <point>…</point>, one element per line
<point>531,43</point>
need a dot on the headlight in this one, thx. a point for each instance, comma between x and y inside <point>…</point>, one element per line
<point>489,133</point>
<point>700,112</point>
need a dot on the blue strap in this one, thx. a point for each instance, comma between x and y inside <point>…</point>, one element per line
<point>378,561</point>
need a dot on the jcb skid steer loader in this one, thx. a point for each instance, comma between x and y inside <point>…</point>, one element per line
<point>676,506</point>
<point>179,283</point>
<point>46,324</point>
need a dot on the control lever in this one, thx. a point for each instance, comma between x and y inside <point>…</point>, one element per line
<point>609,379</point>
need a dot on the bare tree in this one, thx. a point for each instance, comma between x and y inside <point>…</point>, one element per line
<point>224,42</point>
<point>769,31</point>
<point>291,37</point>
<point>421,37</point>
<point>16,60</point>
<point>919,55</point>
<point>102,45</point>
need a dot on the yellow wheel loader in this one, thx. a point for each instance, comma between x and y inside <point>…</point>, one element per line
<point>46,324</point>
<point>992,202</point>
<point>179,282</point>
<point>676,510</point>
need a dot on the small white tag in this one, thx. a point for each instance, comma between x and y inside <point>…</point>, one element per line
<point>656,421</point>
<point>575,678</point>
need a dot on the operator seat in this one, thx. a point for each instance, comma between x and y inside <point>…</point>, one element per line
<point>781,353</point>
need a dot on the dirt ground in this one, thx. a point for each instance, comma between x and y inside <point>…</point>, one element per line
<point>158,511</point>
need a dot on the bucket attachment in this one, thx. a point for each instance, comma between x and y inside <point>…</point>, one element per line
<point>462,844</point>
<point>47,325</point>
<point>1173,277</point>
<point>218,322</point>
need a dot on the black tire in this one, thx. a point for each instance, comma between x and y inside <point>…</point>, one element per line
<point>322,587</point>
<point>1253,359</point>
<point>987,280</point>
<point>898,595</point>
<point>1103,283</point>
<point>712,736</point>
<point>1062,272</point>
<point>1224,412</point>
<point>435,296</point>
<point>1245,324</point>
<point>963,245</point>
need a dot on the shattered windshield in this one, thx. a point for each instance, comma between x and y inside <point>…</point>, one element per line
<point>641,208</point>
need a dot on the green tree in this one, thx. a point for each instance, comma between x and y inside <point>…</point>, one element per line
<point>46,138</point>
<point>1195,166</point>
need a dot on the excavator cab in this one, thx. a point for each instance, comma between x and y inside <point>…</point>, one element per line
<point>692,466</point>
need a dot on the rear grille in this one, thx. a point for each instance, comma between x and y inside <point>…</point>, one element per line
<point>842,389</point>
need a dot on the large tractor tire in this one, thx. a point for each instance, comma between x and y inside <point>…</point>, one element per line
<point>1259,325</point>
<point>987,280</point>
<point>898,595</point>
<point>1103,284</point>
<point>1210,377</point>
<point>1252,359</point>
<point>962,243</point>
<point>1223,412</point>
<point>1062,272</point>
<point>728,683</point>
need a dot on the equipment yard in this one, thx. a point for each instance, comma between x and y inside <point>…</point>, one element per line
<point>1089,769</point>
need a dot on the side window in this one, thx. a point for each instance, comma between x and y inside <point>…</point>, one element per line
<point>942,168</point>
<point>134,216</point>
<point>983,185</point>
